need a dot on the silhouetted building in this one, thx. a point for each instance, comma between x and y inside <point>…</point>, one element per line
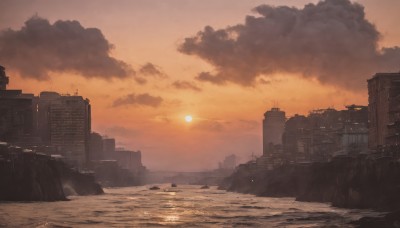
<point>273,127</point>
<point>96,151</point>
<point>16,116</point>
<point>45,99</point>
<point>354,139</point>
<point>229,162</point>
<point>109,148</point>
<point>131,160</point>
<point>326,133</point>
<point>3,78</point>
<point>384,109</point>
<point>69,124</point>
<point>17,113</point>
<point>297,138</point>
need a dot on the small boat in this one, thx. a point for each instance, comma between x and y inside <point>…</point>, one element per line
<point>154,188</point>
<point>173,185</point>
<point>204,187</point>
<point>171,190</point>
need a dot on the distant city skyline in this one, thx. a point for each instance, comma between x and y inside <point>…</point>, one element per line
<point>146,110</point>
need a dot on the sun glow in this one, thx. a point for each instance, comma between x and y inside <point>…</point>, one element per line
<point>188,118</point>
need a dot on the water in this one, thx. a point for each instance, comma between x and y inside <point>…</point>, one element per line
<point>190,206</point>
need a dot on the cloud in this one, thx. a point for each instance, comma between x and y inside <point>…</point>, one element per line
<point>263,81</point>
<point>39,48</point>
<point>150,69</point>
<point>331,41</point>
<point>207,76</point>
<point>185,85</point>
<point>121,131</point>
<point>208,125</point>
<point>144,99</point>
<point>249,124</point>
<point>162,118</point>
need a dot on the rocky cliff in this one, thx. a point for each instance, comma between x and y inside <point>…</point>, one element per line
<point>27,176</point>
<point>346,182</point>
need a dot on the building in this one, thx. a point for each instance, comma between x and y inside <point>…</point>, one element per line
<point>297,138</point>
<point>326,133</point>
<point>384,110</point>
<point>17,113</point>
<point>273,128</point>
<point>96,151</point>
<point>69,122</point>
<point>131,160</point>
<point>229,163</point>
<point>109,148</point>
<point>3,78</point>
<point>45,99</point>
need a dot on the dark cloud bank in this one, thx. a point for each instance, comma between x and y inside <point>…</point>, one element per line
<point>40,47</point>
<point>331,40</point>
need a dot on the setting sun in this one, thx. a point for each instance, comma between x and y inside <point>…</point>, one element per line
<point>188,118</point>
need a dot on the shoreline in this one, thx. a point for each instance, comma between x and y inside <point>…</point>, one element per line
<point>354,183</point>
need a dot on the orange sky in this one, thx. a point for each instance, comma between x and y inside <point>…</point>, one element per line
<point>226,119</point>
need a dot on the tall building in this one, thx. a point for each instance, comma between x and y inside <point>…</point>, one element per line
<point>17,113</point>
<point>384,110</point>
<point>273,128</point>
<point>69,122</point>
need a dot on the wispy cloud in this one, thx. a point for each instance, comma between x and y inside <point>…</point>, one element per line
<point>149,69</point>
<point>144,99</point>
<point>186,85</point>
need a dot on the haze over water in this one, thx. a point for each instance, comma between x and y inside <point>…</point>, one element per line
<point>189,206</point>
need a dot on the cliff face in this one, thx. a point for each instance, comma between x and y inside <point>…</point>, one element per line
<point>34,177</point>
<point>29,178</point>
<point>350,182</point>
<point>76,183</point>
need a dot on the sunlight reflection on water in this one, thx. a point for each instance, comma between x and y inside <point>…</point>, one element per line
<point>187,206</point>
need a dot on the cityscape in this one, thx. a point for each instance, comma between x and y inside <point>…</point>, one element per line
<point>288,118</point>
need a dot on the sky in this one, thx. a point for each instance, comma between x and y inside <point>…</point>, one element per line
<point>146,64</point>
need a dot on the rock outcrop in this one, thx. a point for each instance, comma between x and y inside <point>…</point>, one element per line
<point>27,176</point>
<point>346,182</point>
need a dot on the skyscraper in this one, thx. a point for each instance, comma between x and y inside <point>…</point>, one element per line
<point>273,128</point>
<point>69,122</point>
